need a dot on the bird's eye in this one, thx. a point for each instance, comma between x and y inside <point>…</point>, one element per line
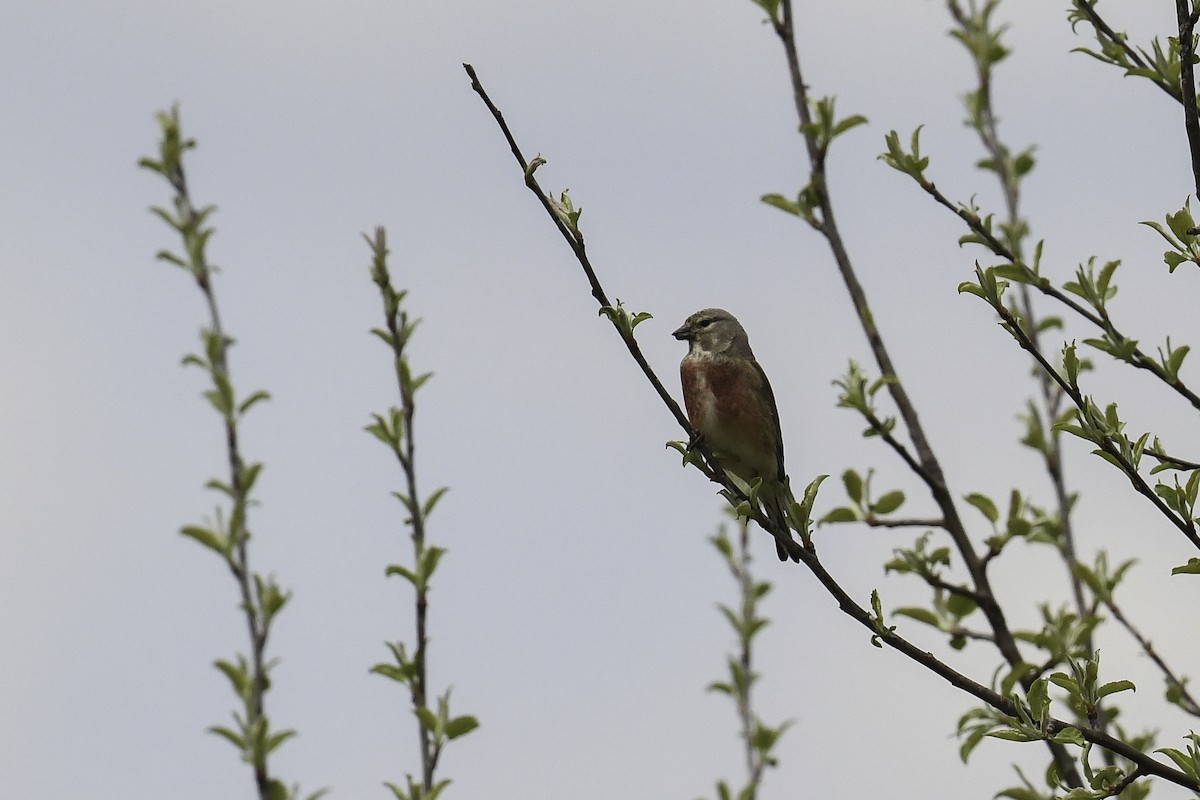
<point>704,323</point>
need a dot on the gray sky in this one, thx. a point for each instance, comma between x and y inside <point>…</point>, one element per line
<point>574,614</point>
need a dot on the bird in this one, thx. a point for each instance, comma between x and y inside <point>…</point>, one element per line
<point>732,408</point>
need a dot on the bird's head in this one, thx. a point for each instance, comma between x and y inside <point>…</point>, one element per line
<point>714,331</point>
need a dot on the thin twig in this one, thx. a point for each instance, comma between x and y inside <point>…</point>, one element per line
<point>1186,526</point>
<point>952,588</point>
<point>1120,40</point>
<point>191,222</point>
<point>1179,463</point>
<point>887,522</point>
<point>710,467</point>
<point>1138,358</point>
<point>981,692</point>
<point>1188,703</point>
<point>1187,89</point>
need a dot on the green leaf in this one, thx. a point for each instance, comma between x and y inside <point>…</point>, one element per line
<point>430,557</point>
<point>1192,567</point>
<point>209,538</point>
<point>985,505</point>
<point>1020,793</point>
<point>396,790</point>
<point>390,671</point>
<point>232,737</point>
<point>427,718</point>
<point>536,162</point>
<point>1181,760</point>
<point>404,572</point>
<point>854,485</point>
<point>888,503</point>
<point>1116,686</point>
<point>840,514</point>
<point>253,400</point>
<point>967,287</point>
<point>960,606</point>
<point>919,614</point>
<point>1069,735</point>
<point>1012,735</point>
<point>461,726</point>
<point>783,204</point>
<point>846,124</point>
<point>279,738</point>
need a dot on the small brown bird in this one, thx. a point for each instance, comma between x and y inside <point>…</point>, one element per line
<point>730,404</point>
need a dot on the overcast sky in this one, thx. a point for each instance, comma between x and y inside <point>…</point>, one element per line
<point>575,612</point>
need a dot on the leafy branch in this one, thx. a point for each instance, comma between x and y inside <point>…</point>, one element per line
<point>1100,427</point>
<point>228,534</point>
<point>435,726</point>
<point>758,738</point>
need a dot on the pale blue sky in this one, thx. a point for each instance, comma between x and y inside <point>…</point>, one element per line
<point>574,614</point>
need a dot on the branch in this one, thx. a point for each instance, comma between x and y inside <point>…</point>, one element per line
<point>975,27</point>
<point>709,465</point>
<point>930,468</point>
<point>994,699</point>
<point>1187,527</point>
<point>887,522</point>
<point>577,245</point>
<point>1187,702</point>
<point>1178,463</point>
<point>1138,358</point>
<point>260,598</point>
<point>1119,40</point>
<point>1187,90</point>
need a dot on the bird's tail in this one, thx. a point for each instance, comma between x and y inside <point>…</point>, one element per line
<point>776,499</point>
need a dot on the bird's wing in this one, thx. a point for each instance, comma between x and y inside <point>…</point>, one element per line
<point>770,396</point>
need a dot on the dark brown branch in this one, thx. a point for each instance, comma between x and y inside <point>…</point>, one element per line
<point>961,591</point>
<point>1186,526</point>
<point>1179,463</point>
<point>1123,784</point>
<point>992,698</point>
<point>925,462</point>
<point>1187,89</point>
<point>886,522</point>
<point>709,466</point>
<point>1188,703</point>
<point>577,246</point>
<point>1138,358</point>
<point>968,633</point>
<point>1089,9</point>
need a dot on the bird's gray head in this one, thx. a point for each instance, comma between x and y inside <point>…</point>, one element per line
<point>713,331</point>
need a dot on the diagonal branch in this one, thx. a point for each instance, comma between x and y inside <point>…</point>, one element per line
<point>1186,526</point>
<point>1186,701</point>
<point>577,245</point>
<point>1119,40</point>
<point>1138,358</point>
<point>930,468</point>
<point>1187,89</point>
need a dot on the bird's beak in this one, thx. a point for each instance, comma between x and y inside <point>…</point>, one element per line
<point>684,333</point>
